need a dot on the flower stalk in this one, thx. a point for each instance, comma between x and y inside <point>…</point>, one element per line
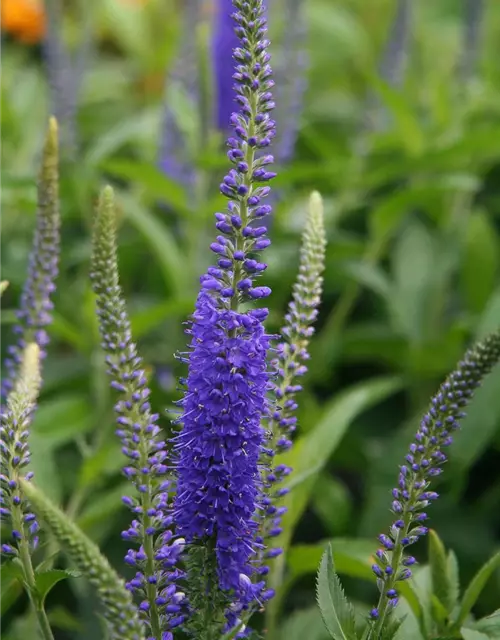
<point>157,553</point>
<point>423,462</point>
<point>219,444</point>
<point>35,309</point>
<point>290,365</point>
<point>16,418</point>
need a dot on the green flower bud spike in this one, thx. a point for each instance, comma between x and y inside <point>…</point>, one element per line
<point>293,350</point>
<point>119,610</point>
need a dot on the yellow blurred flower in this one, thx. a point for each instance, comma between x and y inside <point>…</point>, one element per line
<point>24,19</point>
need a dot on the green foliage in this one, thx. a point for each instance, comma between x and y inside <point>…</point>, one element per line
<point>336,611</point>
<point>412,277</point>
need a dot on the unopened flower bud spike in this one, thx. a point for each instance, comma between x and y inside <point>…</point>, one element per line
<point>290,365</point>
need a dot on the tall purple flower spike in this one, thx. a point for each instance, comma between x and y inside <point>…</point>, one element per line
<point>423,462</point>
<point>219,444</point>
<point>155,551</point>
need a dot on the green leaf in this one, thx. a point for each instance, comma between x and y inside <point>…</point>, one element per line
<point>336,611</point>
<point>61,420</point>
<point>352,557</point>
<point>3,285</point>
<point>480,261</point>
<point>146,320</point>
<point>490,625</point>
<point>10,590</point>
<point>45,581</point>
<point>11,570</point>
<point>475,587</point>
<point>414,272</point>
<point>454,579</point>
<point>172,265</point>
<point>392,628</point>
<point>406,121</point>
<point>470,634</point>
<point>315,449</point>
<point>490,317</point>
<point>155,181</point>
<point>331,501</point>
<point>370,276</point>
<point>439,571</point>
<point>439,612</point>
<point>305,623</point>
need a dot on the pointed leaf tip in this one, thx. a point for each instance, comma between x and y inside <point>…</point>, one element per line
<point>3,285</point>
<point>336,610</point>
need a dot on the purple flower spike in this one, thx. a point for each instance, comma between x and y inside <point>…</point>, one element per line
<point>156,552</point>
<point>34,314</point>
<point>218,447</point>
<point>425,457</point>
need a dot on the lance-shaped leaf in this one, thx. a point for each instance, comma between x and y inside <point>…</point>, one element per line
<point>474,589</point>
<point>337,612</point>
<point>119,611</point>
<point>441,579</point>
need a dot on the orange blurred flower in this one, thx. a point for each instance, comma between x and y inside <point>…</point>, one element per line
<point>24,19</point>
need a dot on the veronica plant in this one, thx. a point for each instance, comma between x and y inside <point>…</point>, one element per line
<point>16,418</point>
<point>34,314</point>
<point>155,553</point>
<point>411,496</point>
<point>292,353</point>
<point>220,441</point>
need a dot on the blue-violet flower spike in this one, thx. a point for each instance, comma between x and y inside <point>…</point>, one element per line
<point>423,462</point>
<point>36,305</point>
<point>156,551</point>
<point>219,444</point>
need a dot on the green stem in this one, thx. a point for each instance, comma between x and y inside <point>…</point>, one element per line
<point>395,560</point>
<point>29,574</point>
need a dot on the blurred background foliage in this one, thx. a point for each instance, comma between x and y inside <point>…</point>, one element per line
<point>410,173</point>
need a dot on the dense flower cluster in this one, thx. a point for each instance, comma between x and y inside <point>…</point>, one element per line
<point>290,364</point>
<point>35,309</point>
<point>219,445</point>
<point>16,418</point>
<point>157,553</point>
<point>423,462</point>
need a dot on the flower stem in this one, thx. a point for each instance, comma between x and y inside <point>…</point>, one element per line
<point>29,575</point>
